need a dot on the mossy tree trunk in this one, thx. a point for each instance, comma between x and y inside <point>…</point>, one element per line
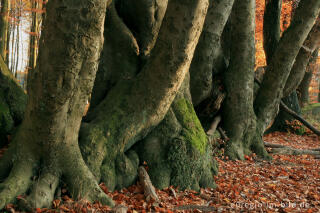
<point>12,103</point>
<point>147,89</point>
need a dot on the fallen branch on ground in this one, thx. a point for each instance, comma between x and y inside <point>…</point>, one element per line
<point>148,188</point>
<point>294,114</point>
<point>293,151</point>
<point>272,145</point>
<point>299,118</point>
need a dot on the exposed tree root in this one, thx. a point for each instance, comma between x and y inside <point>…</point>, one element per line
<point>81,183</point>
<point>214,125</point>
<point>223,134</point>
<point>6,163</point>
<point>42,192</point>
<point>294,114</point>
<point>120,209</point>
<point>17,183</point>
<point>292,151</point>
<point>285,150</point>
<point>272,145</point>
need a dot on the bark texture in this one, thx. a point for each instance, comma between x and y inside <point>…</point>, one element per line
<point>209,58</point>
<point>178,151</point>
<point>58,90</point>
<point>134,106</point>
<point>271,27</point>
<point>12,103</point>
<point>304,56</point>
<point>238,114</point>
<point>271,91</point>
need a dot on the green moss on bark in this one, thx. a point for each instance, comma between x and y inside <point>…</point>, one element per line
<point>192,129</point>
<point>177,151</point>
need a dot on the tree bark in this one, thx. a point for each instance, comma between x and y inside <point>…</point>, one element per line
<point>280,122</point>
<point>271,27</point>
<point>238,114</point>
<point>271,91</point>
<point>305,54</point>
<point>208,57</point>
<point>303,87</point>
<point>146,98</point>
<point>12,103</point>
<point>58,89</point>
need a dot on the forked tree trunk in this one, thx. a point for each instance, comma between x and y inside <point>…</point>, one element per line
<point>115,124</point>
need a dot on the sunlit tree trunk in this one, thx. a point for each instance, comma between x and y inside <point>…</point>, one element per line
<point>4,27</point>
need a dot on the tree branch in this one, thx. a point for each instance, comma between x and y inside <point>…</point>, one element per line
<point>299,118</point>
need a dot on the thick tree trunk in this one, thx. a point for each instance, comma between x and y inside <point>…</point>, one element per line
<point>238,114</point>
<point>177,151</point>
<point>12,103</point>
<point>271,27</point>
<point>208,57</point>
<point>58,90</point>
<point>134,106</point>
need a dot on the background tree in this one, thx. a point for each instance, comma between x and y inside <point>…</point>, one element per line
<point>4,27</point>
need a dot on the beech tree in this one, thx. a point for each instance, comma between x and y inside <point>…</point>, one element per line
<point>149,65</point>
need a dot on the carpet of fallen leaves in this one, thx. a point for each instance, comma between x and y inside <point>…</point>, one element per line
<point>285,184</point>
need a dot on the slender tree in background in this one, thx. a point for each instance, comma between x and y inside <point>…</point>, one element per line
<point>4,27</point>
<point>34,33</point>
<point>305,83</point>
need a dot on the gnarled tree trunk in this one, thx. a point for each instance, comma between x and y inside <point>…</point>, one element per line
<point>47,140</point>
<point>115,124</point>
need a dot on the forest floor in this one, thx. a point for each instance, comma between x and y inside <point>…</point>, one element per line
<point>285,184</point>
